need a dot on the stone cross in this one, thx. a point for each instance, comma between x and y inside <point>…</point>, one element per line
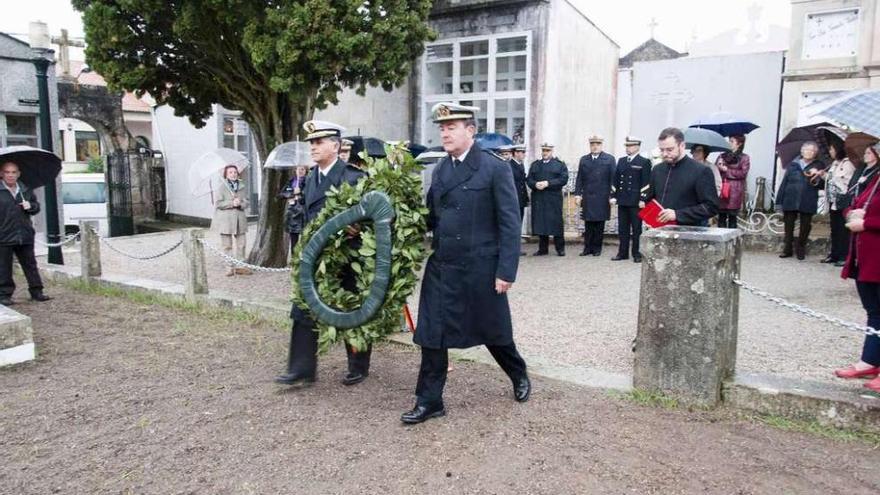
<point>672,95</point>
<point>652,26</point>
<point>64,42</point>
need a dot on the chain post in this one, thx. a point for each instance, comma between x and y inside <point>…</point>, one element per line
<point>90,250</point>
<point>196,282</point>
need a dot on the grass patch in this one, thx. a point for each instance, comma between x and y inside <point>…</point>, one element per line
<point>150,299</point>
<point>649,398</point>
<point>816,428</point>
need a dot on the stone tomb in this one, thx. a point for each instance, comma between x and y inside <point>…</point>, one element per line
<point>16,337</point>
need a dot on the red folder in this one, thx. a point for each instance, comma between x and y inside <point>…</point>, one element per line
<point>650,214</point>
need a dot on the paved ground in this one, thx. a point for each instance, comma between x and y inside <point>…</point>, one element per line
<point>583,311</point>
<point>129,398</point>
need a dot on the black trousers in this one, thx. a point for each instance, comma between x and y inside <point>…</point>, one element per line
<point>869,293</point>
<point>839,236</point>
<point>28,262</point>
<point>593,234</point>
<point>727,219</point>
<point>435,363</point>
<point>629,226</point>
<point>806,225</point>
<point>303,356</point>
<point>294,238</point>
<point>544,243</point>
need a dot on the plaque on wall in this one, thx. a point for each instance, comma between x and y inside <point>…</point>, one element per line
<point>831,34</point>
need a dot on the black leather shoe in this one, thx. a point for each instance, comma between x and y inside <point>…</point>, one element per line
<point>294,378</point>
<point>540,253</point>
<point>801,256</point>
<point>637,259</point>
<point>40,297</point>
<point>420,414</point>
<point>522,388</point>
<point>840,264</point>
<point>786,255</point>
<point>585,253</point>
<point>828,259</point>
<point>353,378</point>
<point>619,258</point>
<point>597,253</point>
<point>560,253</point>
<point>6,301</point>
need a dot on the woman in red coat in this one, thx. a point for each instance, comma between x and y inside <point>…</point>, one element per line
<point>863,264</point>
<point>734,167</point>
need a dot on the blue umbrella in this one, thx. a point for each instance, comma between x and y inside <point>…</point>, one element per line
<point>858,110</point>
<point>492,140</point>
<point>726,124</point>
<point>711,140</point>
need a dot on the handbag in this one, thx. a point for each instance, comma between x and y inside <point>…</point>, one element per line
<point>725,190</point>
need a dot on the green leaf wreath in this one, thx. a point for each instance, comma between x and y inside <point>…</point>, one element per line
<point>398,176</point>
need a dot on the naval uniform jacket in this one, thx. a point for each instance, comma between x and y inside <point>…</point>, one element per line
<point>688,187</point>
<point>474,215</point>
<point>315,195</point>
<point>594,183</point>
<point>547,203</point>
<point>519,181</point>
<point>631,179</point>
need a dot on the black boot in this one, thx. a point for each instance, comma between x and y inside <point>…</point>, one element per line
<point>37,295</point>
<point>302,362</point>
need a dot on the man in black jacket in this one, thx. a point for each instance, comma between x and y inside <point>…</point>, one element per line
<point>325,141</point>
<point>17,205</point>
<point>684,188</point>
<point>631,180</point>
<point>517,166</point>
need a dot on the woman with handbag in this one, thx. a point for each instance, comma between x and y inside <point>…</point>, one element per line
<point>230,218</point>
<point>836,185</point>
<point>863,264</point>
<point>734,167</point>
<point>798,198</point>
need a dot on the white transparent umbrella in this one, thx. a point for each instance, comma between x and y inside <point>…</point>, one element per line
<point>206,170</point>
<point>289,155</point>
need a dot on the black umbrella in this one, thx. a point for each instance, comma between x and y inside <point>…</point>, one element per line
<point>789,147</point>
<point>38,167</point>
<point>416,149</point>
<point>375,147</point>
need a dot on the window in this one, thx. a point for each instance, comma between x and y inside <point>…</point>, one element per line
<point>77,193</point>
<point>490,72</point>
<point>88,145</point>
<point>18,130</point>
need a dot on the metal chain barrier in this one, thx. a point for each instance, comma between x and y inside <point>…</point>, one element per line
<point>241,263</point>
<point>66,240</point>
<point>105,242</point>
<point>809,313</point>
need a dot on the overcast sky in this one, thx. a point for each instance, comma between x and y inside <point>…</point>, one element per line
<point>625,21</point>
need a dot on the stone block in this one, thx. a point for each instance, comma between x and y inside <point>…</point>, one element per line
<point>688,312</point>
<point>16,337</point>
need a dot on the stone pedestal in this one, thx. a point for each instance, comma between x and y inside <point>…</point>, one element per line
<point>16,337</point>
<point>688,312</point>
<point>90,250</point>
<point>196,282</point>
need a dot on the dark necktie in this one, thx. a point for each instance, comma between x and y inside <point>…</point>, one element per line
<point>455,163</point>
<point>320,177</point>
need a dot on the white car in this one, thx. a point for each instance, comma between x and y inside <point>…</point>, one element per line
<point>85,198</point>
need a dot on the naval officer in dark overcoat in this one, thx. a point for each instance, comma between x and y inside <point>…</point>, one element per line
<point>475,219</point>
<point>592,192</point>
<point>325,141</point>
<point>546,179</point>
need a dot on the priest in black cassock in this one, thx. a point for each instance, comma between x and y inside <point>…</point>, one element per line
<point>684,188</point>
<point>592,193</point>
<point>546,179</point>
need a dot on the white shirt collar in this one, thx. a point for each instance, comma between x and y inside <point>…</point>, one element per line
<point>13,192</point>
<point>325,171</point>
<point>463,156</point>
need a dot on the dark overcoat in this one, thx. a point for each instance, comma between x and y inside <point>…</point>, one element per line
<point>315,196</point>
<point>474,215</point>
<point>796,193</point>
<point>631,179</point>
<point>547,203</point>
<point>519,181</point>
<point>594,182</point>
<point>15,224</point>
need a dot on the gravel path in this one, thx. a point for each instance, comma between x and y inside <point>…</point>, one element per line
<point>129,398</point>
<point>582,311</point>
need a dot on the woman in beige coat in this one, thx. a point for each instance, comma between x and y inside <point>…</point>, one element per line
<point>230,219</point>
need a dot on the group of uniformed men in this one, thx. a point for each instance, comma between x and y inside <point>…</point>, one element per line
<point>600,184</point>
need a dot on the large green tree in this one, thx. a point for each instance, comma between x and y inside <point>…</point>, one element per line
<point>276,61</point>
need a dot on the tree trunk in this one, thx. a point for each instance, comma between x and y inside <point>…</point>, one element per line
<point>271,246</point>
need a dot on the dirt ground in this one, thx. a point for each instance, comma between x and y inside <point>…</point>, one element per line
<point>127,397</point>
